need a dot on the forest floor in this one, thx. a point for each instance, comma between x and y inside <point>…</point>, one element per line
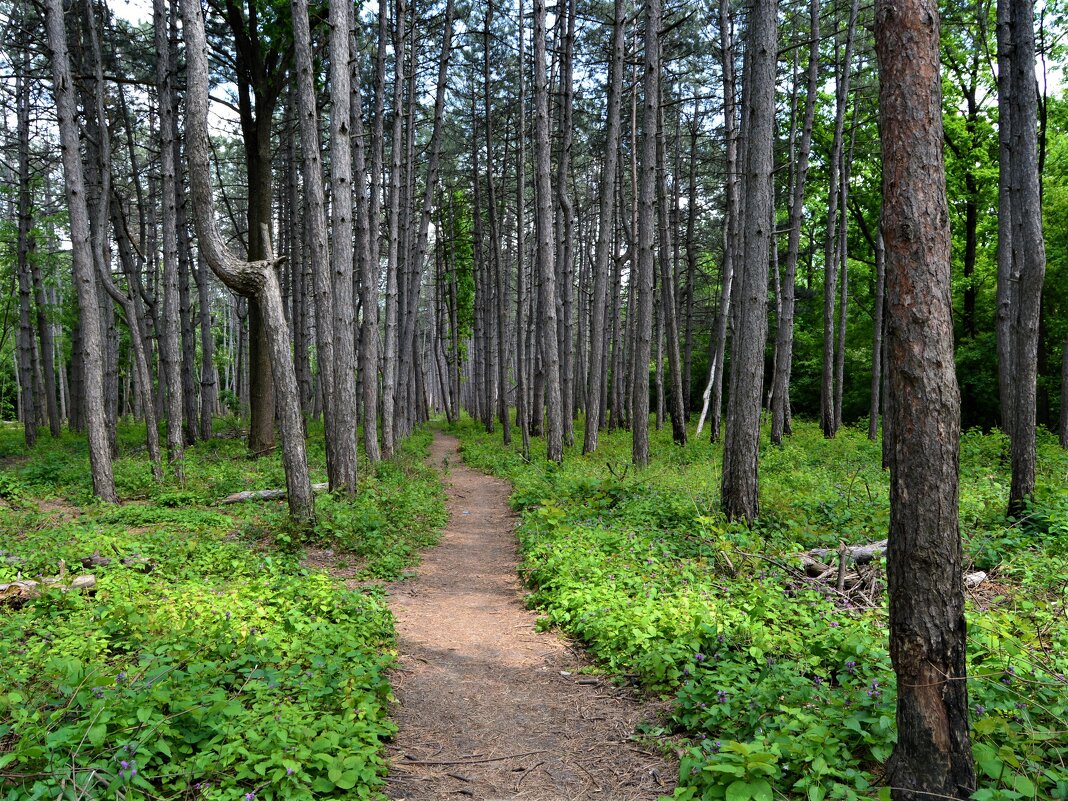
<point>489,707</point>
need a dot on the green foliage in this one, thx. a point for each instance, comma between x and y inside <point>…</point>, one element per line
<point>226,671</point>
<point>780,689</point>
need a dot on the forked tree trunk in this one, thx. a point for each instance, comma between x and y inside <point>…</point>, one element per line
<point>84,277</point>
<point>742,435</point>
<point>932,757</point>
<point>257,279</point>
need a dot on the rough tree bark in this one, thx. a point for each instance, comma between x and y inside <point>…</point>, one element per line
<point>742,435</point>
<point>933,756</point>
<point>257,279</point>
<point>784,334</point>
<point>597,374</point>
<point>84,276</point>
<point>646,202</point>
<point>315,227</point>
<point>170,346</point>
<point>341,249</point>
<point>1021,249</point>
<point>26,247</point>
<point>550,352</point>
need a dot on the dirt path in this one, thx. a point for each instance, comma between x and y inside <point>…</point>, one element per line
<point>490,709</point>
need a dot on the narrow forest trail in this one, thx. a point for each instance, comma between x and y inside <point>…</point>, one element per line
<point>489,708</point>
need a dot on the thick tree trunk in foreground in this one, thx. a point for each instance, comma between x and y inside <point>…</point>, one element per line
<point>1021,249</point>
<point>84,277</point>
<point>933,756</point>
<point>742,436</point>
<point>257,279</point>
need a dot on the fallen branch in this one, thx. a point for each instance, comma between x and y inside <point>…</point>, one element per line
<point>266,495</point>
<point>468,761</point>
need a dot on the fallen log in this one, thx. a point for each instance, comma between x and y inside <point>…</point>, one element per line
<point>266,495</point>
<point>18,592</point>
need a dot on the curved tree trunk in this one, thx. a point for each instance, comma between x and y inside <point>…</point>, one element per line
<point>257,279</point>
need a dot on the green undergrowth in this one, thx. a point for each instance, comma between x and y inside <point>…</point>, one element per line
<point>229,671</point>
<point>780,689</point>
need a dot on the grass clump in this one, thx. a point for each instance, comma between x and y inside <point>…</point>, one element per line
<point>780,688</point>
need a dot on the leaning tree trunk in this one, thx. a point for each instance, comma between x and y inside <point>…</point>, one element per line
<point>932,757</point>
<point>550,351</point>
<point>742,435</point>
<point>597,374</point>
<point>257,279</point>
<point>84,276</point>
<point>1021,250</point>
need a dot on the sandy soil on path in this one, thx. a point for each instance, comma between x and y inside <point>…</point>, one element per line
<point>489,709</point>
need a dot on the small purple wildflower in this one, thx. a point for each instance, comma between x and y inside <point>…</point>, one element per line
<point>699,657</point>
<point>851,667</point>
<point>980,710</point>
<point>722,696</point>
<point>250,797</point>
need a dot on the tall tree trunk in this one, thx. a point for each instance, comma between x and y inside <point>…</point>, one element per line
<point>26,247</point>
<point>646,202</point>
<point>522,373</point>
<point>257,279</point>
<point>731,223</point>
<point>784,335</point>
<point>495,239</point>
<point>550,352</point>
<point>341,248</point>
<point>209,386</point>
<point>390,350</point>
<point>597,374</point>
<point>829,413</point>
<point>316,245</point>
<point>670,325</point>
<point>1021,249</point>
<point>366,230</point>
<point>170,348</point>
<point>84,274</point>
<point>742,435</point>
<point>878,329</point>
<point>565,223</point>
<point>933,755</point>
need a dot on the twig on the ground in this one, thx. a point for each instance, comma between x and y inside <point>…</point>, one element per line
<point>468,761</point>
